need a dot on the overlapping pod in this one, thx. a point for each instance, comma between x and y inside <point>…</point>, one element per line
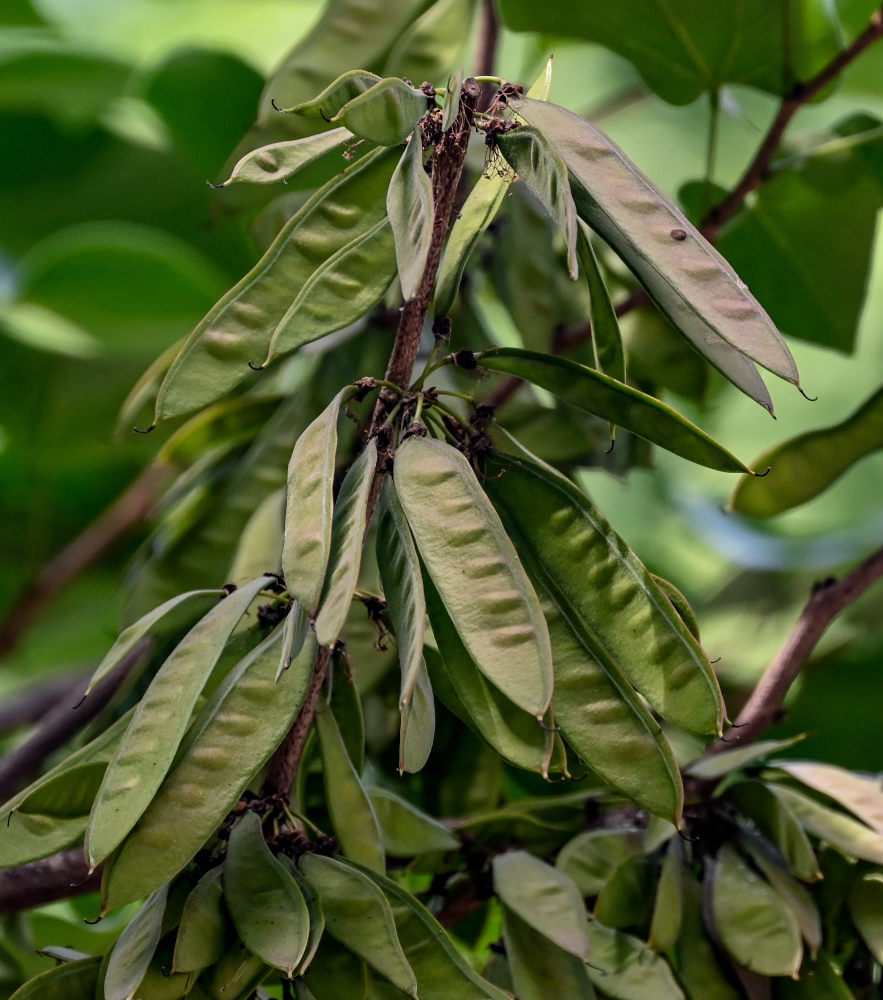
<point>406,830</point>
<point>133,950</point>
<point>386,113</point>
<point>202,931</point>
<point>338,93</point>
<point>476,571</point>
<point>606,336</point>
<point>280,161</point>
<point>668,905</point>
<point>256,312</point>
<point>149,744</point>
<point>249,709</point>
<point>417,727</point>
<point>539,967</point>
<point>69,981</point>
<point>622,965</point>
<point>266,905</point>
<point>692,284</point>
<point>411,214</point>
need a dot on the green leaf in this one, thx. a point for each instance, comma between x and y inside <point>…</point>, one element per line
<point>476,571</point>
<point>606,337</point>
<point>541,969</point>
<point>606,593</point>
<point>359,916</point>
<point>538,164</point>
<point>805,466</point>
<point>336,95</point>
<point>684,52</point>
<point>405,829</point>
<point>281,161</point>
<point>625,969</point>
<point>866,910</point>
<point>754,924</point>
<point>417,728</point>
<point>411,215</point>
<point>668,906</point>
<point>616,402</point>
<point>590,857</point>
<point>861,794</point>
<point>241,326</point>
<point>347,536</point>
<point>544,898</point>
<point>68,981</point>
<point>349,807</point>
<point>249,710</point>
<point>852,838</point>
<point>150,743</point>
<point>134,949</point>
<point>687,278</point>
<point>402,582</point>
<point>267,907</point>
<point>202,931</point>
<point>386,113</point>
<point>718,764</point>
<point>514,734</point>
<point>309,506</point>
<point>760,803</point>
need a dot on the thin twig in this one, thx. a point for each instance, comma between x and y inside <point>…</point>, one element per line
<point>70,716</point>
<point>764,707</point>
<point>30,704</point>
<point>60,876</point>
<point>130,509</point>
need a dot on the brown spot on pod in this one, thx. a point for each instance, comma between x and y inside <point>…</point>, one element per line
<point>678,234</point>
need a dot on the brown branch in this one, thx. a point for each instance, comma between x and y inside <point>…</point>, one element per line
<point>764,707</point>
<point>486,50</point>
<point>30,705</point>
<point>129,510</point>
<point>60,876</point>
<point>70,716</point>
<point>447,165</point>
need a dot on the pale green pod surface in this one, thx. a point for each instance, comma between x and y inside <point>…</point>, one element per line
<point>352,814</point>
<point>759,802</point>
<point>406,830</point>
<point>314,909</point>
<point>358,915</point>
<point>545,898</point>
<point>295,630</point>
<point>606,592</point>
<point>347,535</point>
<point>337,974</point>
<point>267,907</point>
<point>476,571</point>
<point>452,99</point>
<point>336,94</point>
<point>131,636</point>
<point>668,907</point>
<point>230,740</point>
<point>686,276</point>
<point>478,212</point>
<point>620,404</point>
<point>697,960</point>
<point>861,794</point>
<point>866,909</point>
<point>309,506</point>
<point>541,969</point>
<point>606,336</point>
<point>236,976</point>
<point>241,326</point>
<point>202,933</point>
<point>148,746</point>
<point>417,726</point>
<point>411,214</point>
<point>680,604</point>
<point>402,582</point>
<point>280,161</point>
<point>718,764</point>
<point>854,839</point>
<point>31,836</point>
<point>624,967</point>
<point>538,164</point>
<point>260,544</point>
<point>442,971</point>
<point>513,733</point>
<point>589,858</point>
<point>790,891</point>
<point>386,113</point>
<point>625,898</point>
<point>68,981</point>
<point>754,924</point>
<point>805,466</point>
<point>134,949</point>
<point>340,291</point>
<point>434,41</point>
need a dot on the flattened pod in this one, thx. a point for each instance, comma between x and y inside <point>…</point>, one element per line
<point>266,904</point>
<point>386,113</point>
<point>688,278</point>
<point>249,710</point>
<point>358,915</point>
<point>417,727</point>
<point>202,933</point>
<point>476,571</point>
<point>69,981</point>
<point>134,949</point>
<point>281,160</point>
<point>410,209</point>
<point>540,968</point>
<point>309,505</point>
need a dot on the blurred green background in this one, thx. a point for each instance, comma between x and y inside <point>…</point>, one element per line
<point>115,113</point>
